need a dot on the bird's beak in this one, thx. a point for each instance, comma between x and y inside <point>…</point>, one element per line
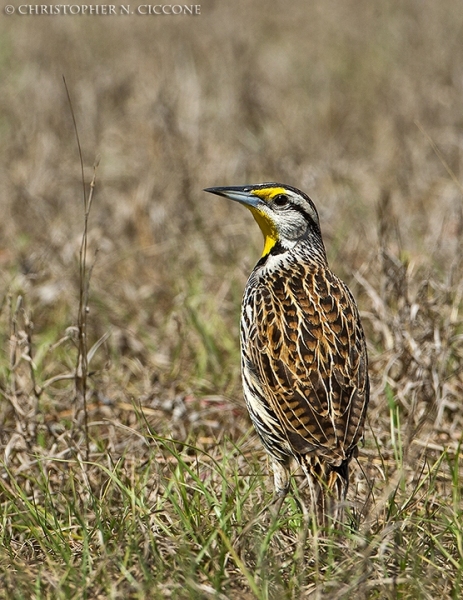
<point>243,195</point>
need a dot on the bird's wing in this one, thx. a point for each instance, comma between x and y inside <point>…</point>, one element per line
<point>308,353</point>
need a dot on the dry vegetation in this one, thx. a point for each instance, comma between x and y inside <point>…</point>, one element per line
<point>154,491</point>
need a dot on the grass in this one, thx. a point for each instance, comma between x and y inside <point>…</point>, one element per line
<point>147,480</point>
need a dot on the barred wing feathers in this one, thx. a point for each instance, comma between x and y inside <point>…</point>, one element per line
<point>305,361</point>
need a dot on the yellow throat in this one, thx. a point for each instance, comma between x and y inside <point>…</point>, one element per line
<point>268,229</point>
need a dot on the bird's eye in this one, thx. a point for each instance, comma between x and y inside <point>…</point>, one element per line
<point>281,200</point>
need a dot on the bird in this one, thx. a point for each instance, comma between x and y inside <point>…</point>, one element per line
<point>304,361</point>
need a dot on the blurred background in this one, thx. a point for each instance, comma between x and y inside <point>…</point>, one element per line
<point>357,103</point>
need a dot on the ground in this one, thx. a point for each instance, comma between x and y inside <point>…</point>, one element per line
<point>135,473</point>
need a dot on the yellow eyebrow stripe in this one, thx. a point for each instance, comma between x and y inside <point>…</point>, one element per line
<point>268,193</point>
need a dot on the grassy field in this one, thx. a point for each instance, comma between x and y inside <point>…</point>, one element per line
<point>128,466</point>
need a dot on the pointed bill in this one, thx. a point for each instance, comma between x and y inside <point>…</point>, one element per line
<point>241,194</point>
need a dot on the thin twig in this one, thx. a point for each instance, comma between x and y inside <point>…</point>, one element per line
<point>81,375</point>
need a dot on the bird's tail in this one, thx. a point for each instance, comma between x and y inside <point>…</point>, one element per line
<point>328,488</point>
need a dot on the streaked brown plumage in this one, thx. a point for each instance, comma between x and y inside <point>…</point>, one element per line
<point>304,358</point>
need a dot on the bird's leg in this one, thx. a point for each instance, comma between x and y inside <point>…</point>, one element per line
<point>307,516</point>
<point>276,504</point>
<point>281,479</point>
<point>314,472</point>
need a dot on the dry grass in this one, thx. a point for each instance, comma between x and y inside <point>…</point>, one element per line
<point>359,104</point>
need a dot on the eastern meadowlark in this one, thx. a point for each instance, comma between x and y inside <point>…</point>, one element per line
<point>304,358</point>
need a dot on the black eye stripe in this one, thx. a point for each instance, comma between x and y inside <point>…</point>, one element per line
<point>283,200</point>
<point>305,214</point>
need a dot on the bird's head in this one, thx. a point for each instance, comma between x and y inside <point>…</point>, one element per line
<point>284,214</point>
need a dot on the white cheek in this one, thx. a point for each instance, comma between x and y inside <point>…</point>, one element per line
<point>293,227</point>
